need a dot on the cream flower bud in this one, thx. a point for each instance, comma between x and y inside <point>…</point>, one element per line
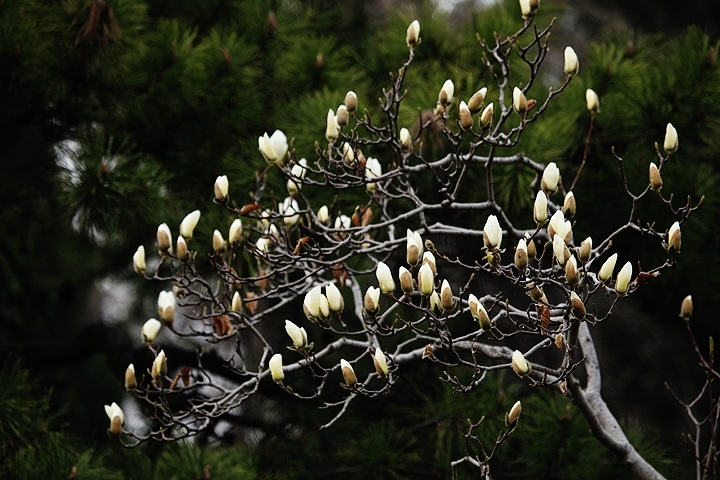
<point>656,182</point>
<point>492,233</point>
<point>237,304</point>
<point>571,271</point>
<point>520,103</point>
<point>139,264</point>
<point>531,249</point>
<point>585,250</point>
<point>556,224</point>
<point>117,418</point>
<point>289,209</point>
<point>150,330</point>
<point>434,301</point>
<point>446,296</point>
<point>187,226</point>
<point>521,255</point>
<point>273,148</point>
<point>412,38</point>
<point>384,278</point>
<point>550,179</point>
<point>487,115</point>
<point>380,363</point>
<point>476,101</point>
<point>426,283</point>
<point>159,367</point>
<point>351,101</point>
<point>571,61</point>
<point>606,270</point>
<point>311,303</point>
<point>414,247</point>
<point>670,144</point>
<point>528,8</point>
<point>540,210</point>
<point>181,249</point>
<point>331,127</point>
<point>334,298</point>
<point>218,242</point>
<point>342,222</point>
<point>478,312</point>
<point>466,120</point>
<point>348,373</point>
<point>130,380</point>
<point>263,245</point>
<point>323,215</point>
<point>406,281</point>
<point>514,414</point>
<point>164,239</point>
<point>371,301</point>
<point>569,206</point>
<point>296,334</point>
<point>276,368</point>
<point>623,278</point>
<point>166,306</point>
<point>560,249</point>
<point>373,169</point>
<point>591,100</point>
<point>342,116</point>
<point>519,364</point>
<point>577,306</point>
<point>674,238</point>
<point>429,258</point>
<point>324,307</point>
<point>405,139</point>
<point>447,92</point>
<point>686,309</point>
<point>221,188</point>
<point>235,232</point>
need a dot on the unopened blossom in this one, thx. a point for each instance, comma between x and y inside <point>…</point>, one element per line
<point>623,278</point>
<point>656,182</point>
<point>150,330</point>
<point>273,148</point>
<point>117,418</point>
<point>139,264</point>
<point>371,300</point>
<point>528,8</point>
<point>297,173</point>
<point>187,226</point>
<point>276,368</point>
<point>218,242</point>
<point>289,209</point>
<point>446,296</point>
<point>521,255</point>
<point>434,302</point>
<point>130,380</point>
<point>298,335</point>
<point>569,205</point>
<point>429,258</point>
<point>571,270</point>
<point>591,100</point>
<point>380,363</point>
<point>331,127</point>
<point>323,214</point>
<point>571,61</point>
<point>342,116</point>
<point>351,101</point>
<point>348,373</point>
<point>221,188</point>
<point>476,101</point>
<point>519,364</point>
<point>334,298</point>
<point>487,115</point>
<point>311,303</point>
<point>674,238</point>
<point>670,144</point>
<point>520,103</point>
<point>415,247</point>
<point>426,283</point>
<point>412,38</point>
<point>560,249</point>
<point>540,208</point>
<point>236,304</point>
<point>181,249</point>
<point>686,308</point>
<point>466,120</point>
<point>585,250</point>
<point>405,139</point>
<point>164,239</point>
<point>577,306</point>
<point>384,278</point>
<point>235,232</point>
<point>166,306</point>
<point>159,367</point>
<point>514,414</point>
<point>406,281</point>
<point>492,233</point>
<point>477,310</point>
<point>263,245</point>
<point>607,268</point>
<point>373,169</point>
<point>447,92</point>
<point>550,179</point>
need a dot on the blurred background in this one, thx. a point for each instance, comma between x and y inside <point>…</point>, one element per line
<point>118,115</point>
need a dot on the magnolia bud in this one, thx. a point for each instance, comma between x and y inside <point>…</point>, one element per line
<point>520,103</point>
<point>380,363</point>
<point>218,243</point>
<point>446,296</point>
<point>236,231</point>
<point>673,238</point>
<point>331,127</point>
<point>323,215</point>
<point>521,255</point>
<point>434,302</point>
<point>412,38</point>
<point>426,283</point>
<point>571,275</point>
<point>592,101</point>
<point>607,268</point>
<point>130,380</point>
<point>466,120</point>
<point>237,303</point>
<point>164,239</point>
<point>671,139</point>
<point>656,182</point>
<point>406,281</point>
<point>373,169</point>
<point>348,373</point>
<point>623,278</point>
<point>492,233</point>
<point>371,301</point>
<point>221,188</point>
<point>560,249</point>
<point>334,298</point>
<point>519,364</point>
<point>342,116</point>
<point>166,306</point>
<point>686,309</point>
<point>540,208</point>
<point>445,97</point>
<point>384,278</point>
<point>187,226</point>
<point>276,368</point>
<point>351,101</point>
<point>429,258</point>
<point>414,247</point>
<point>514,415</point>
<point>311,303</point>
<point>296,334</point>
<point>159,367</point>
<point>577,306</point>
<point>486,116</point>
<point>536,293</point>
<point>478,312</point>
<point>571,61</point>
<point>569,205</point>
<point>585,250</point>
<point>550,179</point>
<point>531,249</point>
<point>117,419</point>
<point>405,139</point>
<point>139,264</point>
<point>150,330</point>
<point>476,101</point>
<point>181,249</point>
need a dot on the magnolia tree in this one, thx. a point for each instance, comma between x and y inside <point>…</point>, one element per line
<point>366,270</point>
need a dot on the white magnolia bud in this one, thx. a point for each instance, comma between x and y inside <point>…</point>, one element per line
<point>273,148</point>
<point>607,268</point>
<point>276,368</point>
<point>159,366</point>
<point>373,169</point>
<point>221,188</point>
<point>324,307</point>
<point>478,312</point>
<point>426,283</point>
<point>492,233</point>
<point>181,249</point>
<point>476,101</point>
<point>550,179</point>
<point>334,298</point>
<point>405,139</point>
<point>446,296</point>
<point>686,309</point>
<point>656,182</point>
<point>592,101</point>
<point>139,264</point>
<point>289,209</point>
<point>540,210</point>
<point>351,101</point>
<point>237,303</point>
<point>487,115</point>
<point>414,247</point>
<point>380,363</point>
<point>342,116</point>
<point>371,301</point>
<point>623,278</point>
<point>150,330</point>
<point>671,139</point>
<point>521,255</point>
<point>311,304</point>
<point>166,306</point>
<point>117,418</point>
<point>571,61</point>
<point>466,120</point>
<point>519,364</point>
<point>561,251</point>
<point>569,206</point>
<point>577,306</point>
<point>296,334</point>
<point>323,215</point>
<point>187,226</point>
<point>516,409</point>
<point>429,258</point>
<point>130,380</point>
<point>520,103</point>
<point>384,278</point>
<point>164,239</point>
<point>406,281</point>
<point>571,275</point>
<point>235,232</point>
<point>412,38</point>
<point>331,127</point>
<point>434,301</point>
<point>585,250</point>
<point>674,238</point>
<point>447,92</point>
<point>218,242</point>
<point>348,373</point>
<point>263,245</point>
